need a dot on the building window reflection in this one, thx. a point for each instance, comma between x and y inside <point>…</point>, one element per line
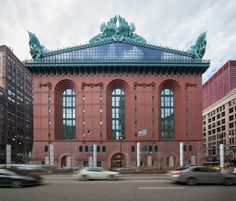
<point>118,114</point>
<point>116,51</point>
<point>68,114</point>
<point>167,114</point>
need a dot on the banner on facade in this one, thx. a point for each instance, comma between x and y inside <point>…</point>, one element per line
<point>142,132</point>
<point>86,134</point>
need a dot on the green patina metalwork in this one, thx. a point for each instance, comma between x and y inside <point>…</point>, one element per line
<point>117,29</point>
<point>36,49</point>
<point>199,48</point>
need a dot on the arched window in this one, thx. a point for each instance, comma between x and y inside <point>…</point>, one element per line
<point>118,114</point>
<point>68,114</point>
<point>167,115</point>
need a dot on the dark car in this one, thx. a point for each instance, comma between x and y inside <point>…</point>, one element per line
<point>201,175</point>
<point>16,178</point>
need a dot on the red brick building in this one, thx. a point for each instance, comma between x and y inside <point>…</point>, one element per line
<point>106,91</point>
<point>221,83</point>
<point>219,114</point>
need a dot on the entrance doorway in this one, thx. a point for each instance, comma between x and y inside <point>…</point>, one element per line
<point>170,161</point>
<point>66,161</point>
<point>117,161</point>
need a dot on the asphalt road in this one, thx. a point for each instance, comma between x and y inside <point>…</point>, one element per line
<point>129,188</point>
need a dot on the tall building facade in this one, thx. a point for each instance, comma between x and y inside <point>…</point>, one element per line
<point>16,116</point>
<point>219,114</point>
<point>221,83</point>
<point>2,126</point>
<point>115,92</point>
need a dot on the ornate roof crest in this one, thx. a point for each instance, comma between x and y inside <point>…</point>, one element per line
<point>199,48</point>
<point>36,49</point>
<point>117,29</point>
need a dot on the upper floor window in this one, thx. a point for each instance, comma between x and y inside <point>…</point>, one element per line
<point>118,114</point>
<point>167,114</point>
<point>68,114</point>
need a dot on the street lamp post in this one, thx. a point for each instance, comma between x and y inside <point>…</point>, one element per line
<point>121,151</point>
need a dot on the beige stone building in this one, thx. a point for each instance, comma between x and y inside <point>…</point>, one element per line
<point>219,126</point>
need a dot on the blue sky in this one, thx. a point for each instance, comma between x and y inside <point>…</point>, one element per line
<point>169,23</point>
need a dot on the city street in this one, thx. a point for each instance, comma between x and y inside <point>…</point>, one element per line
<point>128,188</point>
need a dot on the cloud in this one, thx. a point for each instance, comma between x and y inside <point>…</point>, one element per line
<point>170,23</point>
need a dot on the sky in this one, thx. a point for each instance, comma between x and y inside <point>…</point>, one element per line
<point>168,23</point>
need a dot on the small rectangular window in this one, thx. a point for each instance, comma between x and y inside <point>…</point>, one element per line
<point>156,148</point>
<point>45,148</point>
<point>86,149</point>
<point>150,149</point>
<point>190,148</point>
<point>133,148</point>
<point>103,148</point>
<point>80,148</point>
<point>184,147</point>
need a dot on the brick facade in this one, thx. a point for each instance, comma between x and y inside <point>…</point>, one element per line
<point>138,112</point>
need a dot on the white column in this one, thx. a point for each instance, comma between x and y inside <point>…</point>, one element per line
<point>51,152</point>
<point>193,160</point>
<point>8,154</point>
<point>181,154</point>
<point>221,155</point>
<point>46,160</point>
<point>94,155</point>
<point>149,161</point>
<point>90,161</point>
<point>138,154</point>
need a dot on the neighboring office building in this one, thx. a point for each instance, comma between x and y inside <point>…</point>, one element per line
<point>219,114</point>
<point>2,125</point>
<point>106,91</point>
<point>15,107</point>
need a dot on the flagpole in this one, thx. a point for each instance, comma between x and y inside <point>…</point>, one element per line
<point>145,154</point>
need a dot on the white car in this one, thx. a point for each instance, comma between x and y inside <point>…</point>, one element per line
<point>88,173</point>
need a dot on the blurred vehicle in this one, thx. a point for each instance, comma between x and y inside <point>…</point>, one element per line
<point>213,164</point>
<point>17,178</point>
<point>127,169</point>
<point>201,175</point>
<point>69,169</point>
<point>26,167</point>
<point>88,173</point>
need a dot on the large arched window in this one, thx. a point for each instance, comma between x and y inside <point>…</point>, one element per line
<point>118,114</point>
<point>68,114</point>
<point>167,114</point>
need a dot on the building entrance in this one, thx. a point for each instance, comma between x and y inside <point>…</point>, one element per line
<point>66,161</point>
<point>117,161</point>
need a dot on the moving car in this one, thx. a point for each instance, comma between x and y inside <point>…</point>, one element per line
<point>17,178</point>
<point>68,169</point>
<point>201,175</point>
<point>88,173</point>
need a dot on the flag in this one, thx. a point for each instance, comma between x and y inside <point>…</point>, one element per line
<point>142,132</point>
<point>86,134</point>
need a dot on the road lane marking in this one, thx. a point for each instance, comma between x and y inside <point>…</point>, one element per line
<point>104,182</point>
<point>160,188</point>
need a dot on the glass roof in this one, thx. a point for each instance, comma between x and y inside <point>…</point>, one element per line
<point>114,51</point>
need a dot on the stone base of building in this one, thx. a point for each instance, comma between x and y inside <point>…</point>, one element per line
<point>116,154</point>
